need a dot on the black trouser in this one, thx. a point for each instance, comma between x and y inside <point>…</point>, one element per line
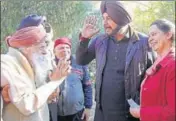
<point>74,117</point>
<point>100,116</point>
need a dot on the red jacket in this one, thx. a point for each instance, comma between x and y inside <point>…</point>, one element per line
<point>158,92</point>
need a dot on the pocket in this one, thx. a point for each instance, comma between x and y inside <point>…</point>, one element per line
<point>79,104</point>
<point>76,74</point>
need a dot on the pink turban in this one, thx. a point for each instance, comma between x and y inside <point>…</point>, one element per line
<point>26,37</point>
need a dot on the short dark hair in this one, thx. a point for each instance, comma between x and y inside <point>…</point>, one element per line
<point>165,26</point>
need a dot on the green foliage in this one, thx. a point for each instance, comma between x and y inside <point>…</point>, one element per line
<point>67,17</point>
<point>145,14</point>
<point>64,16</point>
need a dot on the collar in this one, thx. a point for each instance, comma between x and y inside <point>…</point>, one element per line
<point>134,37</point>
<point>168,57</point>
<point>22,61</point>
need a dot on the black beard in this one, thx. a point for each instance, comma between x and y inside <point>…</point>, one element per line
<point>115,31</point>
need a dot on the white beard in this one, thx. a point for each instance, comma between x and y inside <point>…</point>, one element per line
<point>41,68</point>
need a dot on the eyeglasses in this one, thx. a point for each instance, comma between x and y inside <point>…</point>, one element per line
<point>40,47</point>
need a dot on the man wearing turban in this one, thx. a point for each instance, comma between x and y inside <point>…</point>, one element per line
<point>122,56</point>
<point>28,90</point>
<point>46,62</point>
<point>36,20</point>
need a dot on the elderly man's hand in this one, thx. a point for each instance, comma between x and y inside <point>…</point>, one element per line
<point>89,28</point>
<point>62,70</point>
<point>5,94</point>
<point>54,96</point>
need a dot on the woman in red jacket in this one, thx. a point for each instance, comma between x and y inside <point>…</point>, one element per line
<point>158,87</point>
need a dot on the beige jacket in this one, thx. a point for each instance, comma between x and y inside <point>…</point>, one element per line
<point>28,102</point>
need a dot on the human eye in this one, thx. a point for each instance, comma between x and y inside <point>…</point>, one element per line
<point>154,34</point>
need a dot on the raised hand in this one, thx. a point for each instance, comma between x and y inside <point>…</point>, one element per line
<point>62,70</point>
<point>89,28</point>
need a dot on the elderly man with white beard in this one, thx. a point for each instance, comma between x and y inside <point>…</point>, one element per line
<point>46,63</point>
<point>28,91</point>
<point>37,20</point>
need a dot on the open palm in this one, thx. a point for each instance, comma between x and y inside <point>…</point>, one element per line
<point>89,28</point>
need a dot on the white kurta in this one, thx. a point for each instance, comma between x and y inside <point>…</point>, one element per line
<point>1,107</point>
<point>28,101</point>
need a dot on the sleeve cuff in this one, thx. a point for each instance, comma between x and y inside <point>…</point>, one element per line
<point>88,107</point>
<point>83,41</point>
<point>81,38</point>
<point>47,89</point>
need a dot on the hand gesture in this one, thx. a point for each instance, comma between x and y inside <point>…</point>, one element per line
<point>89,27</point>
<point>62,70</point>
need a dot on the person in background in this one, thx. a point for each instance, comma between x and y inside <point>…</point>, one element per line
<point>158,87</point>
<point>122,57</point>
<point>75,97</point>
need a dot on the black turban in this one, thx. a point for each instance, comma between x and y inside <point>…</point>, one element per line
<point>116,11</point>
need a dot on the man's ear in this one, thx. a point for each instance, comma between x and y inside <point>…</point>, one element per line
<point>169,35</point>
